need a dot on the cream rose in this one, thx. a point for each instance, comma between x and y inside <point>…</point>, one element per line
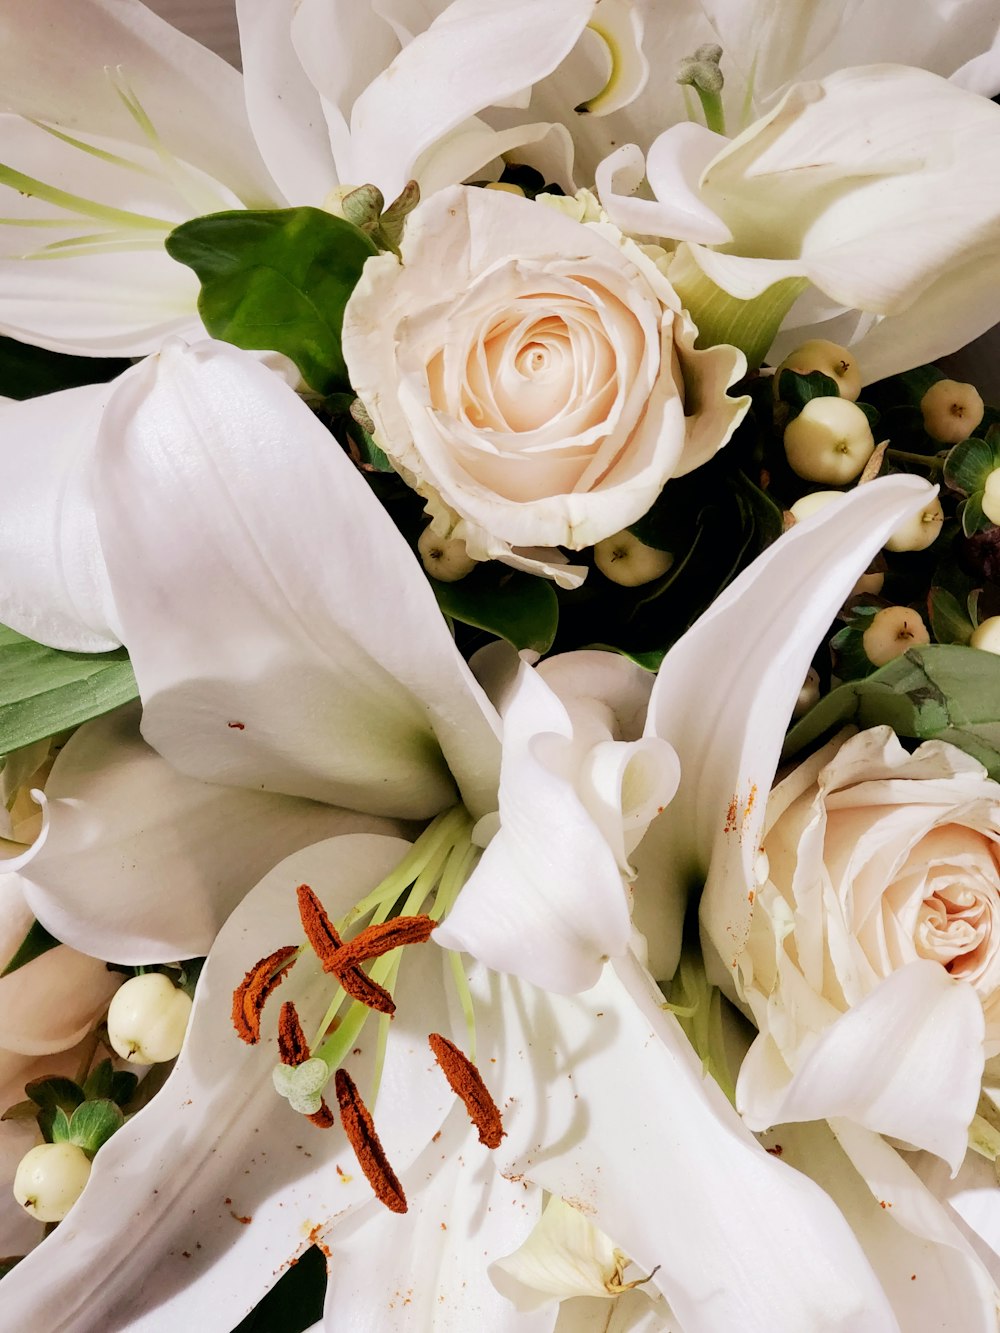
<point>532,376</point>
<point>872,967</point>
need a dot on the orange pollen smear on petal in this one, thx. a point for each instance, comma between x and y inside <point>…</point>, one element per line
<point>252,992</point>
<point>360,1130</point>
<point>293,1049</point>
<point>374,941</point>
<point>467,1084</point>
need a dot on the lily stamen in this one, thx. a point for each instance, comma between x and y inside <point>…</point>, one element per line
<point>251,994</point>
<point>467,1084</point>
<point>293,1051</point>
<point>326,943</point>
<point>382,938</point>
<point>357,1123</point>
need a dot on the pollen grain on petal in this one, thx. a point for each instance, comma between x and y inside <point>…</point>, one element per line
<point>467,1084</point>
<point>250,995</point>
<point>360,1130</point>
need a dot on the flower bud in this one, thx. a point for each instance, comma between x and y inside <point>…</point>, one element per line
<point>991,496</point>
<point>811,503</point>
<point>445,558</point>
<point>624,559</point>
<point>951,411</point>
<point>49,1180</point>
<point>987,636</point>
<point>917,533</point>
<point>830,359</point>
<point>892,631</point>
<point>147,1019</point>
<point>829,441</point>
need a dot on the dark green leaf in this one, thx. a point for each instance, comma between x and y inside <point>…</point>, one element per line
<point>968,465</point>
<point>850,661</point>
<point>45,691</point>
<point>294,1302</point>
<point>26,1110</point>
<point>187,979</point>
<point>28,372</point>
<point>950,622</point>
<point>873,415</point>
<point>100,1082</point>
<point>123,1086</point>
<point>973,518</point>
<point>93,1123</point>
<point>517,607</point>
<point>35,943</point>
<point>942,691</point>
<point>915,383</point>
<point>277,280</point>
<point>55,1092</point>
<point>796,390</point>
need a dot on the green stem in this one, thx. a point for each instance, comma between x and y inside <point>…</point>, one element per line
<point>933,462</point>
<point>712,108</point>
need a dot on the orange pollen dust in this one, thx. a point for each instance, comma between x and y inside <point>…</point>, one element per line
<point>360,1130</point>
<point>467,1084</point>
<point>252,992</point>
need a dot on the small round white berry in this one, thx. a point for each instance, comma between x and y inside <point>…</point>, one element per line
<point>917,533</point>
<point>951,411</point>
<point>808,694</point>
<point>892,631</point>
<point>828,357</point>
<point>987,636</point>
<point>829,441</point>
<point>811,503</point>
<point>147,1019</point>
<point>991,496</point>
<point>625,560</point>
<point>445,558</point>
<point>50,1178</point>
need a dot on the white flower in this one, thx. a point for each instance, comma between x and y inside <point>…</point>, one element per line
<point>534,378</point>
<point>874,950</point>
<point>283,636</point>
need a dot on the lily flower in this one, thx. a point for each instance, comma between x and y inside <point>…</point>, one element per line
<point>284,638</point>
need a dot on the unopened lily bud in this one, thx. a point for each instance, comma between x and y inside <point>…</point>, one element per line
<point>917,533</point>
<point>991,496</point>
<point>808,694</point>
<point>891,633</point>
<point>830,359</point>
<point>812,503</point>
<point>445,558</point>
<point>49,1180</point>
<point>508,187</point>
<point>148,1018</point>
<point>987,636</point>
<point>951,411</point>
<point>829,441</point>
<point>625,560</point>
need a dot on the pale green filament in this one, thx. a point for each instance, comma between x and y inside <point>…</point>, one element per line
<point>697,1005</point>
<point>75,203</point>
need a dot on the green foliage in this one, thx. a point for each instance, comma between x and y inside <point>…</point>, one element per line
<point>45,691</point>
<point>796,389</point>
<point>90,1126</point>
<point>294,1302</point>
<point>29,372</point>
<point>941,691</point>
<point>35,943</point>
<point>514,606</point>
<point>277,280</point>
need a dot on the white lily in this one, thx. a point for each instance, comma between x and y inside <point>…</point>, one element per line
<point>248,565</point>
<point>827,190</point>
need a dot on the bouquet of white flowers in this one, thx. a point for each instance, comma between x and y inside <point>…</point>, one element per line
<point>499,699</point>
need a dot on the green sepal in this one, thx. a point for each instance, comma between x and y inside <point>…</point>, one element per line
<point>123,1086</point>
<point>277,280</point>
<point>187,978</point>
<point>29,372</point>
<point>35,943</point>
<point>942,691</point>
<point>507,603</point>
<point>46,691</point>
<point>93,1123</point>
<point>57,1129</point>
<point>969,464</point>
<point>105,1083</point>
<point>970,511</point>
<point>55,1092</point>
<point>850,661</point>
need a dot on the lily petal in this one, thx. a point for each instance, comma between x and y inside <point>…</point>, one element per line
<point>743,1242</point>
<point>56,586</point>
<point>432,1264</point>
<point>472,56</point>
<point>675,162</point>
<point>728,745</point>
<point>139,864</point>
<point>195,1207</point>
<point>270,607</point>
<point>881,1063</point>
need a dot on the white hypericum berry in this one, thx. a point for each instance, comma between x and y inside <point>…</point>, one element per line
<point>811,503</point>
<point>891,633</point>
<point>831,359</point>
<point>829,441</point>
<point>445,558</point>
<point>991,496</point>
<point>148,1018</point>
<point>507,187</point>
<point>987,636</point>
<point>49,1180</point>
<point>869,584</point>
<point>917,533</point>
<point>951,411</point>
<point>808,694</point>
<point>624,559</point>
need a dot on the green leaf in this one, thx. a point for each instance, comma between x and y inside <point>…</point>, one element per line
<point>28,372</point>
<point>950,622</point>
<point>277,280</point>
<point>49,1093</point>
<point>123,1086</point>
<point>45,691</point>
<point>294,1302</point>
<point>915,383</point>
<point>971,513</point>
<point>100,1082</point>
<point>514,606</point>
<point>968,465</point>
<point>943,691</point>
<point>56,1125</point>
<point>93,1123</point>
<point>797,389</point>
<point>35,943</point>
